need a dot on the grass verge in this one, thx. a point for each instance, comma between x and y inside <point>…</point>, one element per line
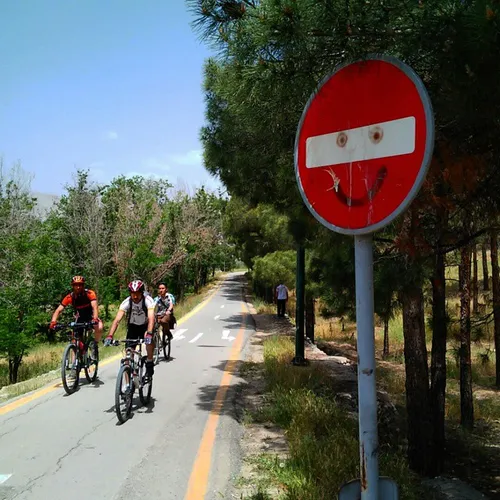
<point>322,435</point>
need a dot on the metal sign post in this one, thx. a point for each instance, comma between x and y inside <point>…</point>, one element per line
<point>362,150</point>
<point>367,390</point>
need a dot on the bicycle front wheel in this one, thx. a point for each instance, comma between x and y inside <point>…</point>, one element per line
<point>166,347</point>
<point>123,393</point>
<point>92,362</point>
<point>70,371</point>
<point>157,347</point>
<point>145,389</point>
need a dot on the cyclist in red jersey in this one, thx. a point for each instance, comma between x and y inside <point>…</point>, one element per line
<point>84,302</point>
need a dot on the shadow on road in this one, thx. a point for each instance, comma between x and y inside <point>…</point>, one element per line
<point>169,360</point>
<point>137,407</point>
<point>94,385</point>
<point>233,288</point>
<point>232,404</point>
<point>235,322</point>
<point>236,368</point>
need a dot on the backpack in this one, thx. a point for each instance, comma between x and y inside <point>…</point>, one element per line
<point>171,297</point>
<point>129,312</point>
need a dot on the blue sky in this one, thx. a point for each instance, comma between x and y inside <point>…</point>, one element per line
<point>114,86</point>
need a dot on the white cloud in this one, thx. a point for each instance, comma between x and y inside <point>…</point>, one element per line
<point>154,163</point>
<point>147,175</point>
<point>97,172</point>
<point>191,158</point>
<point>99,175</point>
<point>111,135</point>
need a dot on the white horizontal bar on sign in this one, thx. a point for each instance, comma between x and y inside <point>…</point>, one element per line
<point>379,140</point>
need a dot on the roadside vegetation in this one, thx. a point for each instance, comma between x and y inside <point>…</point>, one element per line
<point>111,234</point>
<point>322,435</point>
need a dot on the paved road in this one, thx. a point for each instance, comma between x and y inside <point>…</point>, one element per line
<point>58,447</point>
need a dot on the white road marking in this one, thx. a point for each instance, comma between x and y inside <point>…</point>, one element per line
<point>196,338</point>
<point>217,317</point>
<point>226,336</point>
<point>4,477</point>
<point>178,334</point>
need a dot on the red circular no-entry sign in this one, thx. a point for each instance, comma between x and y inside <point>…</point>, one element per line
<point>364,144</point>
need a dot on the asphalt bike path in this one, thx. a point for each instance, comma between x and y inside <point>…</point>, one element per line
<point>183,445</point>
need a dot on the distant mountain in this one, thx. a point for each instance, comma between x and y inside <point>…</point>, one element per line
<point>44,202</point>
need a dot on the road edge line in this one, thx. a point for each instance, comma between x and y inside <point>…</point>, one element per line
<point>200,471</point>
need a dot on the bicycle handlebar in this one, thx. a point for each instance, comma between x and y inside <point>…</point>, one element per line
<point>73,324</point>
<point>116,343</point>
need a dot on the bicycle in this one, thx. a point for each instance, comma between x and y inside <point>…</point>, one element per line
<point>161,341</point>
<point>76,355</point>
<point>156,342</point>
<point>131,376</point>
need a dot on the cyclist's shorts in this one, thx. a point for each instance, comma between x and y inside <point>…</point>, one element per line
<point>136,332</point>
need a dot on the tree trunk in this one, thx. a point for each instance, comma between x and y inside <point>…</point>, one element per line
<point>486,279</point>
<point>438,358</point>
<point>14,363</point>
<point>466,398</point>
<point>196,279</point>
<point>386,336</point>
<point>495,285</point>
<point>310,317</point>
<point>180,282</point>
<point>420,435</point>
<point>474,282</point>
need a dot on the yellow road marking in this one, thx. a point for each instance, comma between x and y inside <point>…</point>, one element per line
<point>198,481</point>
<point>7,408</point>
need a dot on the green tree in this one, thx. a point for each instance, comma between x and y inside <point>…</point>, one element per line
<point>31,269</point>
<point>256,230</point>
<point>271,270</point>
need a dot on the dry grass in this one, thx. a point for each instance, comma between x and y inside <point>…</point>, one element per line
<point>322,436</point>
<point>391,374</point>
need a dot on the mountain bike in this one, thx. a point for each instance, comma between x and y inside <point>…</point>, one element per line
<point>161,341</point>
<point>81,352</point>
<point>131,376</point>
<point>157,342</point>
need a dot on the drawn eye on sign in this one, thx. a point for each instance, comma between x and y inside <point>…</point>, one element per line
<point>363,145</point>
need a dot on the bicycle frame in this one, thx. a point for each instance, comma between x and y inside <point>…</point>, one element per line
<point>78,332</point>
<point>132,357</point>
<point>80,337</point>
